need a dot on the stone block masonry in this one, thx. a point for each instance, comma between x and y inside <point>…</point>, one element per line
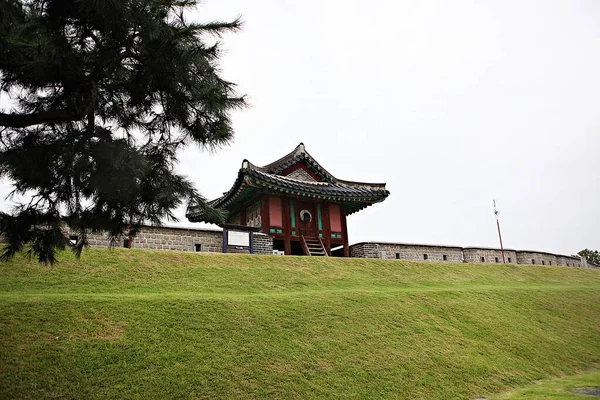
<point>180,239</point>
<point>489,255</point>
<point>423,252</point>
<point>367,250</point>
<point>406,251</point>
<point>537,257</point>
<point>211,240</point>
<point>262,243</point>
<point>419,252</point>
<point>570,261</point>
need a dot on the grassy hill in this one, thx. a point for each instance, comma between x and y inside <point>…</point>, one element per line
<point>569,388</point>
<point>144,324</point>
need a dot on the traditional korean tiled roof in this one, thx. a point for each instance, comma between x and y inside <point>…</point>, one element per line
<point>299,154</point>
<point>353,195</point>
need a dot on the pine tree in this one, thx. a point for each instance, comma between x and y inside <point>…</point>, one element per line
<point>592,256</point>
<point>105,95</point>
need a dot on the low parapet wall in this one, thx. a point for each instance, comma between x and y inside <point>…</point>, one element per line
<point>570,261</point>
<point>180,239</point>
<point>426,252</point>
<point>211,240</point>
<point>402,251</point>
<point>543,258</point>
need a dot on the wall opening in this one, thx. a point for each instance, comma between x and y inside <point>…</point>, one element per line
<point>296,248</point>
<point>543,262</point>
<point>126,243</point>
<point>397,256</point>
<point>533,261</point>
<point>509,260</point>
<point>424,256</point>
<point>278,245</point>
<point>550,262</point>
<point>496,259</point>
<point>482,259</point>
<point>445,257</point>
<point>337,251</point>
<point>197,247</point>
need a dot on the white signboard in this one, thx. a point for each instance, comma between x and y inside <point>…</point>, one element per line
<point>237,238</point>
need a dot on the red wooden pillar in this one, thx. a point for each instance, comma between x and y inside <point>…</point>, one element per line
<point>326,227</point>
<point>287,226</point>
<point>264,214</point>
<point>344,231</point>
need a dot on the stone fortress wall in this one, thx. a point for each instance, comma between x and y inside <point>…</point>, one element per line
<point>421,252</point>
<point>489,255</point>
<point>181,239</point>
<point>209,240</point>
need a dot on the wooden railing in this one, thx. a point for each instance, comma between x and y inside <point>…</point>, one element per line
<point>304,246</point>
<point>323,245</point>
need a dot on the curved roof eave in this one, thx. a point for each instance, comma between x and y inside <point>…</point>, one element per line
<point>310,190</point>
<point>250,175</point>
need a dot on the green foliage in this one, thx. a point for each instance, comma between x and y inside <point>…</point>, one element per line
<point>591,255</point>
<point>106,93</point>
<point>151,324</point>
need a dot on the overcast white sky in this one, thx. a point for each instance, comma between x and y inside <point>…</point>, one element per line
<point>452,104</point>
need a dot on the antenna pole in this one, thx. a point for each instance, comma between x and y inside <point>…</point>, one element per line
<point>499,234</point>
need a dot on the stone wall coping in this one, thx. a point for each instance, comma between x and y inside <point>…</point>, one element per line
<point>183,228</point>
<point>409,244</point>
<point>549,254</point>
<point>464,248</point>
<point>571,257</point>
<point>487,248</point>
<point>192,229</point>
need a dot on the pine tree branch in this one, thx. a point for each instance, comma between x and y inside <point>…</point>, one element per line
<point>14,120</point>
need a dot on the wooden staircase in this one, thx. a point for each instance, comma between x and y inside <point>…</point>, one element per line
<point>314,247</point>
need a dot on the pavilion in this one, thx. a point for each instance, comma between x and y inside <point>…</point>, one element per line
<point>296,201</point>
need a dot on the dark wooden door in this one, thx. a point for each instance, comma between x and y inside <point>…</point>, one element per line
<point>306,217</point>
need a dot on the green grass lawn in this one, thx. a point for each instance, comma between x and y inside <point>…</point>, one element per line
<point>145,324</point>
<point>556,389</point>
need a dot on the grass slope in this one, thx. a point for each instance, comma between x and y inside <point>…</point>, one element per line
<point>569,388</point>
<point>143,324</point>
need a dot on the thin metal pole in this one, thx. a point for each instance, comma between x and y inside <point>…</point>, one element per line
<point>499,234</point>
